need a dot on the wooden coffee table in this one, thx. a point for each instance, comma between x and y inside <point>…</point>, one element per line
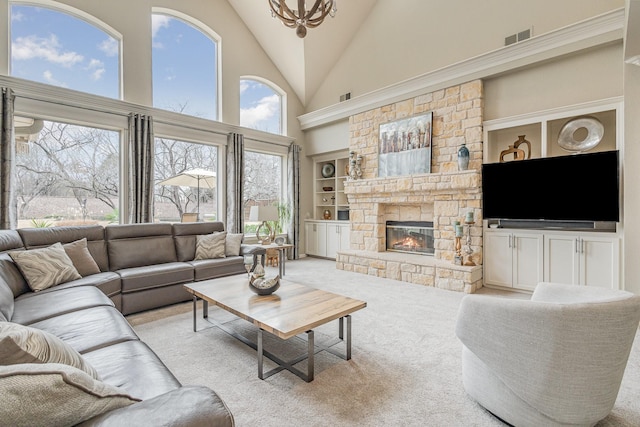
<point>292,310</point>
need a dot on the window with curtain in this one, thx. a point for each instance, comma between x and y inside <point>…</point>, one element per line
<point>66,174</point>
<point>185,67</point>
<point>263,187</point>
<point>57,48</point>
<point>261,106</point>
<point>192,192</point>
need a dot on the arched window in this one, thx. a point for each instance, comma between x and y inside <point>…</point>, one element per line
<point>262,105</point>
<point>66,49</point>
<point>185,65</point>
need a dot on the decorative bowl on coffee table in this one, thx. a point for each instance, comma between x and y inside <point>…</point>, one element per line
<point>264,286</point>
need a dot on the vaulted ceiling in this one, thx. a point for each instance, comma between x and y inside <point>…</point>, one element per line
<point>304,62</point>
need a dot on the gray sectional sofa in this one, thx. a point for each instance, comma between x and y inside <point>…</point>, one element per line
<point>142,266</point>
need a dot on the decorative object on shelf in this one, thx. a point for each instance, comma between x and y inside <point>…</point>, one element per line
<point>326,214</point>
<point>300,17</point>
<point>581,134</point>
<point>258,271</point>
<point>463,157</point>
<point>279,241</point>
<point>327,188</point>
<point>264,214</point>
<point>405,146</point>
<point>518,153</point>
<point>328,170</point>
<point>263,286</point>
<point>355,166</point>
<point>457,228</point>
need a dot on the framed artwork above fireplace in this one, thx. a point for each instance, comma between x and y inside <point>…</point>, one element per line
<point>405,146</point>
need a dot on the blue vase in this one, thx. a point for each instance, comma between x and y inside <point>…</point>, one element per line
<point>463,158</point>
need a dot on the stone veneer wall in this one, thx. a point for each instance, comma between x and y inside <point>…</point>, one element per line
<point>443,196</point>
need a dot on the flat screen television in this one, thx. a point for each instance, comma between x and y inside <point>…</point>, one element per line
<point>579,187</point>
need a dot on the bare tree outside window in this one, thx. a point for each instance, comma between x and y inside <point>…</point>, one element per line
<point>262,183</point>
<point>172,158</point>
<point>67,175</point>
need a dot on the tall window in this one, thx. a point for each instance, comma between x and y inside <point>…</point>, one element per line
<point>67,175</point>
<point>261,106</point>
<point>262,186</point>
<point>185,69</point>
<point>196,191</point>
<point>57,48</point>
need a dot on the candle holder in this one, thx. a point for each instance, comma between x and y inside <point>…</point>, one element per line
<point>469,262</point>
<point>457,259</point>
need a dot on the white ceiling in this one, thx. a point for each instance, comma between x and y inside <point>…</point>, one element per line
<point>304,62</point>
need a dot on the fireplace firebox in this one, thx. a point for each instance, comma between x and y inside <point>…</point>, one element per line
<point>415,237</point>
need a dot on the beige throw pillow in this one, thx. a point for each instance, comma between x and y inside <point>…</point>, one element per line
<point>54,395</point>
<point>233,243</point>
<point>45,267</point>
<point>210,246</point>
<point>23,344</point>
<point>81,258</point>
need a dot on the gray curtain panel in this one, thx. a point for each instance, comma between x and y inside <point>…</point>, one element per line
<point>293,171</point>
<point>140,168</point>
<point>235,183</point>
<point>8,206</point>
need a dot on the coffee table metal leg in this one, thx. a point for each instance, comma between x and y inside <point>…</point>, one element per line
<point>195,311</point>
<point>310,357</point>
<point>260,351</point>
<point>205,309</point>
<point>341,328</point>
<point>348,336</point>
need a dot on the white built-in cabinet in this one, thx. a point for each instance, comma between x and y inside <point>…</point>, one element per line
<point>513,259</point>
<point>325,238</point>
<point>520,258</point>
<point>582,259</point>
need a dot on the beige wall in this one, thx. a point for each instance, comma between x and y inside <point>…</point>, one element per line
<point>401,40</point>
<point>631,178</point>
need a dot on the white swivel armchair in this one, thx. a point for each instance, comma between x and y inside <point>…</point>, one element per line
<point>554,360</point>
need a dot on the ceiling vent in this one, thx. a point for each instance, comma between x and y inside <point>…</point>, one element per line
<point>345,97</point>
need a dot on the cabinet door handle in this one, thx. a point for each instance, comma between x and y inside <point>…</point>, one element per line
<point>511,242</point>
<point>581,245</point>
<point>575,246</point>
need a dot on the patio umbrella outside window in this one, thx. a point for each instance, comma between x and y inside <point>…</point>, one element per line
<point>195,178</point>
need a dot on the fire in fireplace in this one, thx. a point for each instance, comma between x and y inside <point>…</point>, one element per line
<point>414,237</point>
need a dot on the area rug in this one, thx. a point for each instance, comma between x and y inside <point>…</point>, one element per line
<point>405,368</point>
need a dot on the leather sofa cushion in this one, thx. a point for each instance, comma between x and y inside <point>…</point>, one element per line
<point>41,237</point>
<point>141,251</point>
<point>133,367</point>
<point>154,276</point>
<point>10,240</point>
<point>185,237</point>
<point>90,329</point>
<point>108,282</point>
<point>34,307</point>
<point>134,302</point>
<point>211,268</point>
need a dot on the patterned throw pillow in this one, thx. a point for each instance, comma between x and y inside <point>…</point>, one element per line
<point>233,243</point>
<point>23,344</point>
<point>81,257</point>
<point>209,246</point>
<point>54,395</point>
<point>45,267</point>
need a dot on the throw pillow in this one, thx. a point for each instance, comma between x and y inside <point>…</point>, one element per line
<point>210,246</point>
<point>81,257</point>
<point>45,267</point>
<point>233,243</point>
<point>54,395</point>
<point>23,344</point>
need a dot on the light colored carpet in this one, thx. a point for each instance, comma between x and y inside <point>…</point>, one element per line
<point>405,368</point>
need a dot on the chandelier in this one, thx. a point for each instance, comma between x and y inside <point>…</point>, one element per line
<point>301,19</point>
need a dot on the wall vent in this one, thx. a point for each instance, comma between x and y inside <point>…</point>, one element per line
<point>518,37</point>
<point>345,97</point>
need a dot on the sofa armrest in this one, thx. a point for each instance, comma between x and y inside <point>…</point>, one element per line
<point>186,406</point>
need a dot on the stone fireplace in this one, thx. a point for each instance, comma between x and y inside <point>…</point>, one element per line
<point>440,197</point>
